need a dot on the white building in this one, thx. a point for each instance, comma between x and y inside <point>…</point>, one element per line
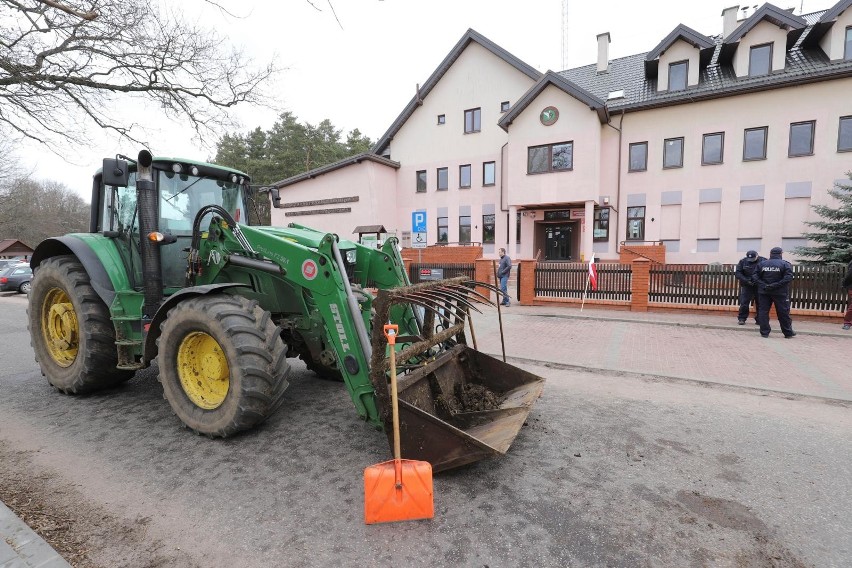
<point>712,145</point>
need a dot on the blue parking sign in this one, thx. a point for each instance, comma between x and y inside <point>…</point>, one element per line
<point>418,222</point>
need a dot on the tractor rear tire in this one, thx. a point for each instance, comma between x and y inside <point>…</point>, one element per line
<point>223,364</point>
<point>71,333</point>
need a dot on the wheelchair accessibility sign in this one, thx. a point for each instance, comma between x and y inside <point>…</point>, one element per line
<point>418,229</point>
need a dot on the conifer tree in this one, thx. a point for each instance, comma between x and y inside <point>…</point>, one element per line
<point>833,233</point>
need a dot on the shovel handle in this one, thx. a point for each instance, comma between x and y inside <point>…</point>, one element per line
<point>391,331</point>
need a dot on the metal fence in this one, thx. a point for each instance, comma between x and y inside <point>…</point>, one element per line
<point>420,272</point>
<point>568,280</point>
<point>698,284</point>
<point>813,287</point>
<point>818,288</point>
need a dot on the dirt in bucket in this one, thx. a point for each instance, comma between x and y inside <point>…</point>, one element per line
<point>469,398</point>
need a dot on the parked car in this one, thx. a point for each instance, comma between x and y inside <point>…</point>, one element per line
<point>7,262</point>
<point>16,277</point>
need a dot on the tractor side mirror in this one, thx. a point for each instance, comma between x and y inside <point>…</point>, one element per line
<point>276,197</point>
<point>115,172</point>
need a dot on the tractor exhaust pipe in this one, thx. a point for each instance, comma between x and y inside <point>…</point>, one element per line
<point>149,212</point>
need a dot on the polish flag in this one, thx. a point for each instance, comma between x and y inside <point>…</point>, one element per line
<point>593,273</point>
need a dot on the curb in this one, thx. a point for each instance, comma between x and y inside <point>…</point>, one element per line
<point>676,379</point>
<point>22,547</point>
<point>738,328</point>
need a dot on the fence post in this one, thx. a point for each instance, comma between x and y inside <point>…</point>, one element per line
<point>483,272</point>
<point>640,285</point>
<point>526,282</point>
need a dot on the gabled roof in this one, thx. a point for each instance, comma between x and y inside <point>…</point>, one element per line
<point>356,159</point>
<point>550,78</point>
<point>687,34</point>
<point>785,20</point>
<point>14,246</point>
<point>803,65</point>
<point>834,12</point>
<point>772,14</point>
<point>466,39</point>
<point>370,229</point>
<point>826,21</point>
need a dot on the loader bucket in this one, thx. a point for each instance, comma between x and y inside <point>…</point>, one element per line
<point>463,407</point>
<point>457,405</point>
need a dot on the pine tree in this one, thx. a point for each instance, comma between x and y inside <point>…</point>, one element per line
<point>834,229</point>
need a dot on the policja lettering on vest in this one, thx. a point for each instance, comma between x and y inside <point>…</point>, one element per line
<point>773,279</point>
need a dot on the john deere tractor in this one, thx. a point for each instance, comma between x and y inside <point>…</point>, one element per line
<point>171,269</point>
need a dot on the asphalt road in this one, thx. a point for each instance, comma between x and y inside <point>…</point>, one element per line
<point>609,471</point>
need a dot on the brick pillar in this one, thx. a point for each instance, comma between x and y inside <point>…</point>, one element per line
<point>640,283</point>
<point>526,281</point>
<point>484,273</point>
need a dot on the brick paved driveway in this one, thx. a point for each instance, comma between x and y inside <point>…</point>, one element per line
<point>677,346</point>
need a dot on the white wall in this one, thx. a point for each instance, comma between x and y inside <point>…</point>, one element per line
<point>478,79</point>
<point>374,184</point>
<point>779,174</point>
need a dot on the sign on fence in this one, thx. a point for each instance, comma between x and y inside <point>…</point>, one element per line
<point>431,274</point>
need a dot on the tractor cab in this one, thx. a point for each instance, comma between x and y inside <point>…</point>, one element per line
<point>182,188</point>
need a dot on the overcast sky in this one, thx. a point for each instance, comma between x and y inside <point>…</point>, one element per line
<point>362,72</point>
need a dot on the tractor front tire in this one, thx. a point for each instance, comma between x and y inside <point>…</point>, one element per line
<point>223,364</point>
<point>70,329</point>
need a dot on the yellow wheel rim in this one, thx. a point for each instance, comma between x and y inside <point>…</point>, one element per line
<point>203,370</point>
<point>59,327</point>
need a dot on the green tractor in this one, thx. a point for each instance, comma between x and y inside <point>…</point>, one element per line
<point>172,269</point>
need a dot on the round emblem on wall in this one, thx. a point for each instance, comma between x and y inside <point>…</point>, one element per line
<point>309,269</point>
<point>549,116</point>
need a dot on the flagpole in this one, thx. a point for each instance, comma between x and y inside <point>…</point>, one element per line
<point>585,291</point>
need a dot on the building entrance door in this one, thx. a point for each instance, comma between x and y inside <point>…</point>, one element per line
<point>557,242</point>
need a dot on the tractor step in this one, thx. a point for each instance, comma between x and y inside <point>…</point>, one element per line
<point>128,349</point>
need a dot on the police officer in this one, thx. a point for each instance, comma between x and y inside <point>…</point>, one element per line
<point>773,278</point>
<point>748,287</point>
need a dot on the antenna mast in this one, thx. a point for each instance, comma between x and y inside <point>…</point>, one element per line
<point>564,34</point>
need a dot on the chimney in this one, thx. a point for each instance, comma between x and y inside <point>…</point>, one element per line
<point>603,52</point>
<point>729,20</point>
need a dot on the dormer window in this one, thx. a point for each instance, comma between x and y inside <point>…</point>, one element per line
<point>678,73</point>
<point>758,46</point>
<point>676,62</point>
<point>760,60</point>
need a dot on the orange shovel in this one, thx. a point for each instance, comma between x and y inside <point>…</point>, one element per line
<point>397,490</point>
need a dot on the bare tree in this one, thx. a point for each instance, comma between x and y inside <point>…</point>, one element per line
<point>66,64</point>
<point>34,210</point>
<point>10,168</point>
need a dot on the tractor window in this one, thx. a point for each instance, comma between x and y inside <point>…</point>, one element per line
<point>119,207</point>
<point>181,197</point>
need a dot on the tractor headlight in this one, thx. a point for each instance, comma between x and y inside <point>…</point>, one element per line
<point>350,257</point>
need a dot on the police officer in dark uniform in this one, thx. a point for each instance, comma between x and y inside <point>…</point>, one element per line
<point>773,278</point>
<point>748,287</point>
